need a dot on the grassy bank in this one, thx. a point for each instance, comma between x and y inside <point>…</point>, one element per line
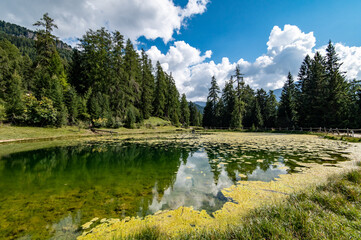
<point>331,211</point>
<point>15,132</point>
<point>10,133</point>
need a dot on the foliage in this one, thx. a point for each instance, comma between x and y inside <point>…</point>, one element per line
<point>39,113</point>
<point>287,115</point>
<point>184,111</point>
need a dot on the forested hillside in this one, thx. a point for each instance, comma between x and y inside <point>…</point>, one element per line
<point>321,97</point>
<point>24,40</point>
<point>105,83</point>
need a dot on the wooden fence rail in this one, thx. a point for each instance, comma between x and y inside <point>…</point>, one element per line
<point>339,131</point>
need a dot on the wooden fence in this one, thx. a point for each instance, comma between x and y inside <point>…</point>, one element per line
<point>339,131</point>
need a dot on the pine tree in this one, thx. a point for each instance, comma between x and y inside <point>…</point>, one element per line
<point>249,99</point>
<point>318,94</point>
<point>147,85</point>
<point>133,76</point>
<point>210,115</point>
<point>240,104</point>
<point>287,115</point>
<point>172,106</point>
<point>237,114</point>
<point>49,77</point>
<point>184,111</point>
<point>337,110</point>
<point>228,103</point>
<point>258,119</point>
<point>159,100</point>
<point>270,112</point>
<point>304,91</point>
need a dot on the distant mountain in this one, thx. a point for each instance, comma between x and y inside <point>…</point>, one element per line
<point>200,108</point>
<point>202,104</point>
<point>277,93</point>
<point>24,40</point>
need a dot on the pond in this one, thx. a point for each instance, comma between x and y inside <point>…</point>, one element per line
<point>51,192</point>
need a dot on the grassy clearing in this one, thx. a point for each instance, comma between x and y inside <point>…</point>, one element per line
<point>331,211</point>
<point>16,132</point>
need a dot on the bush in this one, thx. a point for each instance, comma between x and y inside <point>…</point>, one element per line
<point>100,122</point>
<point>39,113</point>
<point>2,112</point>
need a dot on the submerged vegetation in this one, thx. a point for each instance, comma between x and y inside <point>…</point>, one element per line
<point>330,211</point>
<point>196,180</point>
<point>187,222</point>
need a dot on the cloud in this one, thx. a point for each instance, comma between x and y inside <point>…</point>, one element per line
<point>286,49</point>
<point>180,60</point>
<point>350,57</point>
<point>151,19</point>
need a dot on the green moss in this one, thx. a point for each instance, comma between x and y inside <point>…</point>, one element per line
<point>332,211</point>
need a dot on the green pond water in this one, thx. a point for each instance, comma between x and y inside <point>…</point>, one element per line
<point>49,193</point>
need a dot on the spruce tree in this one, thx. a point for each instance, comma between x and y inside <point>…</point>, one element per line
<point>336,109</point>
<point>228,103</point>
<point>159,100</point>
<point>147,85</point>
<point>270,112</point>
<point>318,94</point>
<point>184,111</point>
<point>287,115</point>
<point>50,78</point>
<point>304,91</point>
<point>210,114</point>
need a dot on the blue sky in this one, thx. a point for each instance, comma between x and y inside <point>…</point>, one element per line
<point>197,39</point>
<point>237,28</point>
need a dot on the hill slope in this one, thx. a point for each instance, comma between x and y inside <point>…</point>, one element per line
<point>24,40</point>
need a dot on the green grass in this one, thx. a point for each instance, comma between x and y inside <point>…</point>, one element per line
<point>342,138</point>
<point>331,211</point>
<point>155,121</point>
<point>16,132</point>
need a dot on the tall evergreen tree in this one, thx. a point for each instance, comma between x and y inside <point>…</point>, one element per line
<point>172,106</point>
<point>184,111</point>
<point>270,111</point>
<point>336,109</point>
<point>50,78</point>
<point>159,100</point>
<point>316,116</point>
<point>304,91</point>
<point>210,115</point>
<point>228,101</point>
<point>147,86</point>
<point>287,115</point>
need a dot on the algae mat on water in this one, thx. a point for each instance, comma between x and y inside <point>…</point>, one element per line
<point>312,151</point>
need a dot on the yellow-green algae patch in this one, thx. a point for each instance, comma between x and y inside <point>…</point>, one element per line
<point>246,195</point>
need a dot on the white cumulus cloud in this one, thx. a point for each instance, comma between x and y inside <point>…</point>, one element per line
<point>286,49</point>
<point>133,18</point>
